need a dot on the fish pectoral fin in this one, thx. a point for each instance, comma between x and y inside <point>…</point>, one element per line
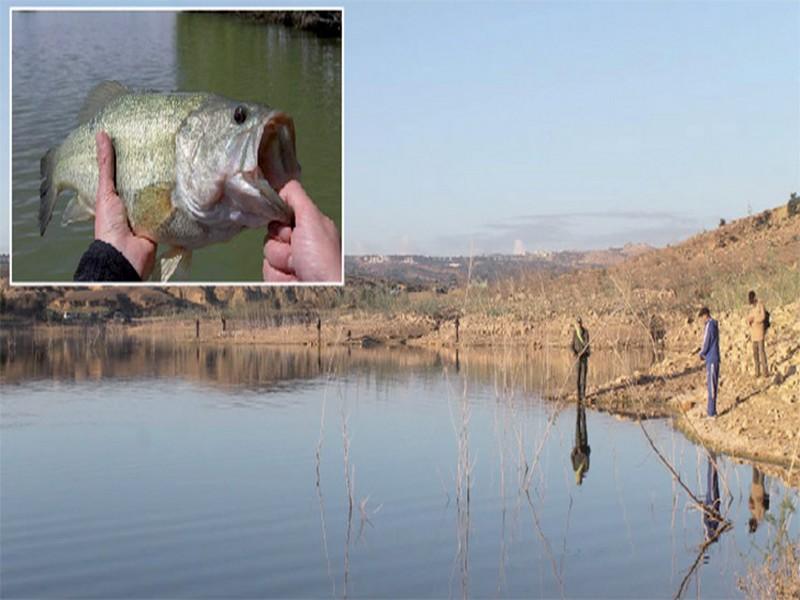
<point>152,209</point>
<point>175,260</point>
<point>100,97</point>
<point>78,209</point>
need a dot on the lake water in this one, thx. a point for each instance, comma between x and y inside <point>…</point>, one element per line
<point>137,468</point>
<point>58,57</point>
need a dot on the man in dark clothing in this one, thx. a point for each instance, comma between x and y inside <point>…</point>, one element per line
<point>580,348</point>
<point>709,352</point>
<point>581,450</point>
<point>103,262</point>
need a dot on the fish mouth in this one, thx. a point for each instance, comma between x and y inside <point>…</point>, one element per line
<point>277,156</point>
<point>254,192</point>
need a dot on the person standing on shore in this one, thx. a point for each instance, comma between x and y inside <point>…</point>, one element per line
<point>581,350</point>
<point>709,352</point>
<point>757,321</point>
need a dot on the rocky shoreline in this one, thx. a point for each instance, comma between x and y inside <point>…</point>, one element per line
<point>758,419</point>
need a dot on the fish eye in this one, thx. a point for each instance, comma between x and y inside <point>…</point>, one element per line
<point>240,114</point>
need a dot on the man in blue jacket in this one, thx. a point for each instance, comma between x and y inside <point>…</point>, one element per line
<point>710,353</point>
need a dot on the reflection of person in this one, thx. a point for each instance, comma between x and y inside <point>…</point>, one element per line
<point>710,353</point>
<point>116,254</point>
<point>581,450</point>
<point>758,502</point>
<point>756,320</point>
<point>311,251</point>
<point>580,348</point>
<point>711,519</point>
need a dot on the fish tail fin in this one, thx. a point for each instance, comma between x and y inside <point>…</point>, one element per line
<point>172,260</point>
<point>48,189</point>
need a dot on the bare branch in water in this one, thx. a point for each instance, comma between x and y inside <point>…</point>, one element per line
<point>700,553</point>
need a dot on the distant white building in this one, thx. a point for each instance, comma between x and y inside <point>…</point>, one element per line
<point>374,259</point>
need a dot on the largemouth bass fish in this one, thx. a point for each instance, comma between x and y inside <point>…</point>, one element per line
<point>193,169</point>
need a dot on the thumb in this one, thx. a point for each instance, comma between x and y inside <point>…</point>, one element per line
<point>105,165</point>
<point>295,196</point>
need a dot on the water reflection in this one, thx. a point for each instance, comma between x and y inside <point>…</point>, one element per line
<point>469,468</point>
<point>96,353</point>
<point>758,501</point>
<point>80,353</point>
<point>580,450</point>
<point>711,512</point>
<point>715,523</point>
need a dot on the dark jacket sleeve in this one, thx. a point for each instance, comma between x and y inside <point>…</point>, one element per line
<point>103,262</point>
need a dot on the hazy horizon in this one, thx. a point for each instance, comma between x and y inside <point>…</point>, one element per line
<point>518,250</point>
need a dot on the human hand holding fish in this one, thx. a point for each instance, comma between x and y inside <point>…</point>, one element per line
<point>192,169</point>
<point>111,219</point>
<point>311,251</point>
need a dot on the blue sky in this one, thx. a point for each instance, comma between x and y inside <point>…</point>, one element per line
<point>475,127</point>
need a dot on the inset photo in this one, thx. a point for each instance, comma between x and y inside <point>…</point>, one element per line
<point>159,146</point>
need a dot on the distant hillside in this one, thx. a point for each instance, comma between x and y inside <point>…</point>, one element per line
<point>367,277</point>
<point>450,271</point>
<point>715,268</point>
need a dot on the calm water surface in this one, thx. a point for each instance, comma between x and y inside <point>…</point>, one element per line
<point>136,468</point>
<point>59,57</point>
